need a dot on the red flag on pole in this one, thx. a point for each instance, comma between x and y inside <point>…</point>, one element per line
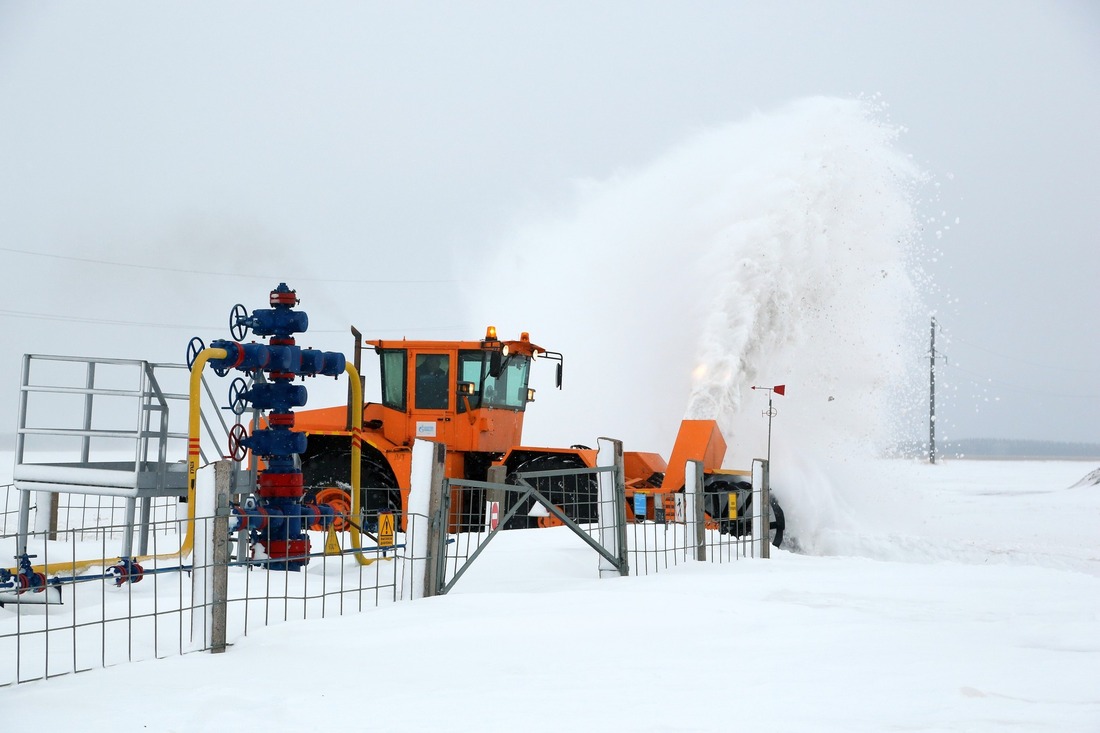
<point>779,389</point>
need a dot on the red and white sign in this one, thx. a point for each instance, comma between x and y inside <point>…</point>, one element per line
<point>492,514</point>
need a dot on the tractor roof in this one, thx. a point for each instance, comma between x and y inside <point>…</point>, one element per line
<point>522,345</point>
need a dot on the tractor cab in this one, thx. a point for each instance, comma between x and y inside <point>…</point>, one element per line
<point>470,395</point>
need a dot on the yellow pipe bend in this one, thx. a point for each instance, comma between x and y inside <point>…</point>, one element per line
<point>194,421</point>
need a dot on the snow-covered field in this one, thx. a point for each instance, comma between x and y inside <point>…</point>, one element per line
<point>958,597</point>
<point>967,598</point>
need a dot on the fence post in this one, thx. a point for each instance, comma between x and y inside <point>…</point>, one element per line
<point>437,523</point>
<point>495,475</point>
<point>620,508</point>
<point>694,509</point>
<point>223,483</point>
<point>761,522</point>
<point>54,501</point>
<point>611,503</point>
<point>202,580</point>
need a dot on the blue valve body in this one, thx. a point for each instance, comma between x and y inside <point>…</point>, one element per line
<point>278,520</point>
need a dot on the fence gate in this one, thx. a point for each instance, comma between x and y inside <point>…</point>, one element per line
<point>589,501</point>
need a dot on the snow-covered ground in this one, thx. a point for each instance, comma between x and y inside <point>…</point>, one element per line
<point>958,597</point>
<point>967,598</point>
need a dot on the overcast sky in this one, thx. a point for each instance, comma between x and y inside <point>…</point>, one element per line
<point>161,162</point>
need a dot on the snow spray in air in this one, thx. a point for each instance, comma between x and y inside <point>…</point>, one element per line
<point>816,286</point>
<point>777,250</point>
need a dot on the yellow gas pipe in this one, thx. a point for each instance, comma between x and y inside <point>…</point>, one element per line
<point>194,408</point>
<point>356,457</point>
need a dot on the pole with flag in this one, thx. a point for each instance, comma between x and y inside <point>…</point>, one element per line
<point>779,389</point>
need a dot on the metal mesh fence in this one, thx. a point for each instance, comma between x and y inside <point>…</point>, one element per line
<point>85,611</point>
<point>9,509</point>
<point>90,614</point>
<point>654,546</point>
<point>477,511</point>
<point>665,529</point>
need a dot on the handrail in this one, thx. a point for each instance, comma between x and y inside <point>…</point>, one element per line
<point>196,421</point>
<point>193,458</point>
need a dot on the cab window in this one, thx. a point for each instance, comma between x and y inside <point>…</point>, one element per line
<point>393,378</point>
<point>433,379</point>
<point>471,365</point>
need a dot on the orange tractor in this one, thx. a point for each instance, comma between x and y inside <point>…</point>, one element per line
<point>471,396</point>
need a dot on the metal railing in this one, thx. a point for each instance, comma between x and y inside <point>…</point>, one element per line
<point>96,436</point>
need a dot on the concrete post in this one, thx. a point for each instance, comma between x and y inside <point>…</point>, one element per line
<point>694,509</point>
<point>496,475</point>
<point>422,528</point>
<point>223,483</point>
<point>202,577</point>
<point>611,498</point>
<point>439,505</point>
<point>761,510</point>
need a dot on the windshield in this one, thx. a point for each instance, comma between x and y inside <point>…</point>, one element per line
<point>508,391</point>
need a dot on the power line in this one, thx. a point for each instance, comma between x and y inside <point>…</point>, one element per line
<point>183,327</point>
<point>97,321</point>
<point>1020,388</point>
<point>1019,360</point>
<point>187,271</point>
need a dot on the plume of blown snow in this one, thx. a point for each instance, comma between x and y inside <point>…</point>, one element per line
<point>776,250</point>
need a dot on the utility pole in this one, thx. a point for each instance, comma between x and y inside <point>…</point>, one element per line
<point>932,396</point>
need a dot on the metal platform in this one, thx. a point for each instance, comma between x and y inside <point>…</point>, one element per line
<point>108,427</point>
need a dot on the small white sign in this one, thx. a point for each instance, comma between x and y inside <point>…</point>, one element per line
<point>492,514</point>
<point>425,429</point>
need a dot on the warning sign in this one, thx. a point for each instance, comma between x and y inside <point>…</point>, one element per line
<point>733,504</point>
<point>492,514</point>
<point>332,542</point>
<point>385,529</point>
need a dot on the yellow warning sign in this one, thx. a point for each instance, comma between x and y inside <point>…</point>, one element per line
<point>385,529</point>
<point>332,542</point>
<point>733,504</point>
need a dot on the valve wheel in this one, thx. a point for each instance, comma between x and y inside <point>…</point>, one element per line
<point>237,401</point>
<point>237,328</point>
<point>237,449</point>
<point>194,347</point>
